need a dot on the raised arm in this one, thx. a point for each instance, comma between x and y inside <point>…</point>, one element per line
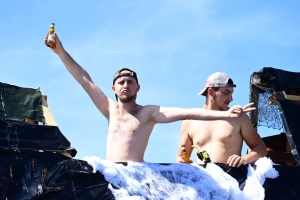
<point>83,78</point>
<point>166,115</point>
<point>254,142</point>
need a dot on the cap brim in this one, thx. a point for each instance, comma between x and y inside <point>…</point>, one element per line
<point>203,92</point>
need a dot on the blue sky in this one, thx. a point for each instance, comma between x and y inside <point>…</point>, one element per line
<point>172,45</point>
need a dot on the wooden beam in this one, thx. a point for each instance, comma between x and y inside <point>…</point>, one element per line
<point>281,157</point>
<point>30,121</point>
<point>49,119</point>
<point>291,97</point>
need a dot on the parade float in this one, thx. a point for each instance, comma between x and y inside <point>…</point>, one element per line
<point>37,160</point>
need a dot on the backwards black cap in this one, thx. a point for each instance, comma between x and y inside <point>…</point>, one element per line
<point>119,74</point>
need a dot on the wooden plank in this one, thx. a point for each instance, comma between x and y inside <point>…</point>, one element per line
<point>281,157</point>
<point>49,119</point>
<point>67,154</point>
<point>291,97</point>
<point>288,150</point>
<point>30,121</point>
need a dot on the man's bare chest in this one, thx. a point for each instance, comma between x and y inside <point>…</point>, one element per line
<point>222,131</point>
<point>123,124</point>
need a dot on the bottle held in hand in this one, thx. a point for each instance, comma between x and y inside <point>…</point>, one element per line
<point>184,155</point>
<point>50,36</point>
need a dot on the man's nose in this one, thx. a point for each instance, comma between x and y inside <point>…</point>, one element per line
<point>230,98</point>
<point>125,84</point>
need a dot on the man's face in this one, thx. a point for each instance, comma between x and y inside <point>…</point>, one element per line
<point>126,88</point>
<point>222,97</point>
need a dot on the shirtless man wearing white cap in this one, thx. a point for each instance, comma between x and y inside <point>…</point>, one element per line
<point>221,139</point>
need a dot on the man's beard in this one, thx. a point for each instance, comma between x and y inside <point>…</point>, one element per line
<point>215,102</point>
<point>127,98</point>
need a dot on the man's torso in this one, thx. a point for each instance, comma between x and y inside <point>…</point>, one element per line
<point>128,135</point>
<point>220,138</point>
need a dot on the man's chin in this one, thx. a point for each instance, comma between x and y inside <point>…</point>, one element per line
<point>224,108</point>
<point>127,99</point>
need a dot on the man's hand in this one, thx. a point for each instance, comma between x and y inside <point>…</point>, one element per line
<point>236,161</point>
<point>237,111</point>
<point>58,45</point>
<point>179,159</point>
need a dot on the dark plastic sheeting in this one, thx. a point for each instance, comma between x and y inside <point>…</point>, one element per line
<point>277,80</point>
<point>24,137</point>
<point>286,186</point>
<point>17,103</point>
<point>32,168</point>
<point>281,80</point>
<point>49,176</point>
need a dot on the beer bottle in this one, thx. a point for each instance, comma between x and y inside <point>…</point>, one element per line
<point>184,155</point>
<point>50,37</point>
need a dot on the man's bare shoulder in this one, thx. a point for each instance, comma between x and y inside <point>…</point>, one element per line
<point>188,122</point>
<point>149,108</point>
<point>244,118</point>
<point>246,125</point>
<point>186,125</point>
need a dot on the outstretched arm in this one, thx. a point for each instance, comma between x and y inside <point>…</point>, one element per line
<point>166,115</point>
<point>83,78</point>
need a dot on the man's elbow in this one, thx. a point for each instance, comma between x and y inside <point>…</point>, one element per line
<point>262,151</point>
<point>265,152</point>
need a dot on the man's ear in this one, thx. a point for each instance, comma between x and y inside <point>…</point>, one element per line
<point>209,91</point>
<point>113,88</point>
<point>138,88</point>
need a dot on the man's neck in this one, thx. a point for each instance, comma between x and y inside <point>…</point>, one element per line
<point>211,107</point>
<point>128,106</point>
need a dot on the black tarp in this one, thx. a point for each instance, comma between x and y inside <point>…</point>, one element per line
<point>284,187</point>
<point>25,137</point>
<point>49,176</point>
<point>18,103</point>
<point>31,162</point>
<point>280,80</point>
<point>276,81</point>
<point>32,168</point>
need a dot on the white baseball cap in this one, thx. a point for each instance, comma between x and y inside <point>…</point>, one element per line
<point>218,79</point>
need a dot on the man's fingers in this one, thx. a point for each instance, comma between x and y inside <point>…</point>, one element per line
<point>235,161</point>
<point>230,160</point>
<point>55,35</point>
<point>240,163</point>
<point>248,108</point>
<point>249,104</point>
<point>45,39</point>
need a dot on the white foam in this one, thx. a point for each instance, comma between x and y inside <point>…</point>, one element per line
<point>144,180</point>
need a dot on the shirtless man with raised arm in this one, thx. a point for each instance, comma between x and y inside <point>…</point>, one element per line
<point>221,139</point>
<point>130,124</point>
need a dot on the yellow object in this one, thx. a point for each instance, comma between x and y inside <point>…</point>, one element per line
<point>50,36</point>
<point>205,157</point>
<point>202,155</point>
<point>254,126</point>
